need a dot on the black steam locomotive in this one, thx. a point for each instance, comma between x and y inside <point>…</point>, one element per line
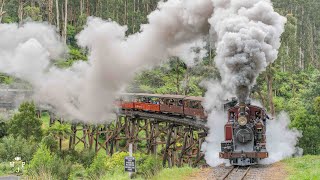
<point>245,134</point>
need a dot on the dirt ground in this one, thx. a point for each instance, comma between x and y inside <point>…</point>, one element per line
<point>275,171</point>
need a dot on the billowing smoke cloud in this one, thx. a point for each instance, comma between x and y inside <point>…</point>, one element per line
<point>86,90</point>
<point>247,35</point>
<point>217,118</point>
<point>281,140</point>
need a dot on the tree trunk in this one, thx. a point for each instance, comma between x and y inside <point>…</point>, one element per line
<point>20,11</point>
<point>65,22</point>
<point>88,7</point>
<point>50,11</point>
<point>60,144</point>
<point>1,9</point>
<point>81,7</point>
<point>57,15</point>
<point>269,80</point>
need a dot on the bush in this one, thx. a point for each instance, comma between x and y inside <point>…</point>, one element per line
<point>5,168</point>
<point>44,162</point>
<point>150,167</point>
<point>98,167</point>
<point>50,142</point>
<point>77,172</point>
<point>11,147</point>
<point>86,157</point>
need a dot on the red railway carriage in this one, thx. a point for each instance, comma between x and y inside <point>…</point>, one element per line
<point>147,102</point>
<point>193,107</point>
<point>172,104</point>
<point>245,140</point>
<point>126,101</point>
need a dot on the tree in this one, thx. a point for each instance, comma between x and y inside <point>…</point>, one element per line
<point>60,131</point>
<point>25,122</point>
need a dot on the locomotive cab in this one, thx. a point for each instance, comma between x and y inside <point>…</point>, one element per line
<point>245,139</point>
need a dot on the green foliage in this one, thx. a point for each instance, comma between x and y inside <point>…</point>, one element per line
<point>11,147</point>
<point>4,79</point>
<point>44,162</point>
<point>304,168</point>
<point>150,166</point>
<point>98,166</point>
<point>77,172</point>
<point>25,122</point>
<point>86,157</point>
<point>50,142</point>
<point>316,105</point>
<point>59,130</point>
<point>3,127</point>
<point>107,167</point>
<point>33,13</point>
<point>5,168</point>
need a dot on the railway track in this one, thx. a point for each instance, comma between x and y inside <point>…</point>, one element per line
<point>236,173</point>
<point>255,172</point>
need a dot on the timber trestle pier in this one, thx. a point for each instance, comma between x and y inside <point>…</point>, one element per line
<point>177,140</point>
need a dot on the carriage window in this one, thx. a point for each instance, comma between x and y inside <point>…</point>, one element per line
<point>171,102</point>
<point>197,105</point>
<point>180,103</point>
<point>194,104</point>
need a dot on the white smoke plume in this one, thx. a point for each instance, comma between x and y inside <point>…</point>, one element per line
<point>247,35</point>
<point>86,91</point>
<point>281,140</point>
<point>217,118</point>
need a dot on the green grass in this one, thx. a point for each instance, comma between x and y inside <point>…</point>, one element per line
<point>5,169</point>
<point>304,168</point>
<point>45,120</point>
<point>175,173</point>
<point>165,174</point>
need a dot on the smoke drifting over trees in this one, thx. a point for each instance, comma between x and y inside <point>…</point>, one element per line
<point>246,35</point>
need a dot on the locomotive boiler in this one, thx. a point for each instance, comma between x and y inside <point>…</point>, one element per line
<point>245,135</point>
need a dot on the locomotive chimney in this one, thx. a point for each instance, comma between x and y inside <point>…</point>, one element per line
<point>242,108</point>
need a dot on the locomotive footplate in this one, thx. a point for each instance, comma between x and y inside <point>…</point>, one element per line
<point>229,155</point>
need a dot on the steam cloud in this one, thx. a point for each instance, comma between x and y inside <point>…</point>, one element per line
<point>247,35</point>
<point>86,91</point>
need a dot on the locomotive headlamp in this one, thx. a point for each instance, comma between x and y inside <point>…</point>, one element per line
<point>242,120</point>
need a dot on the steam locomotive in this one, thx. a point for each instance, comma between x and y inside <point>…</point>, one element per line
<point>245,134</point>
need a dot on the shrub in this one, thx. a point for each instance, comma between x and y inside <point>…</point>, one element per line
<point>11,147</point>
<point>50,142</point>
<point>77,172</point>
<point>5,168</point>
<point>44,162</point>
<point>98,167</point>
<point>86,157</point>
<point>149,167</point>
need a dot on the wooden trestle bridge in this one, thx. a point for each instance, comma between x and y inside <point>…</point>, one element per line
<point>176,139</point>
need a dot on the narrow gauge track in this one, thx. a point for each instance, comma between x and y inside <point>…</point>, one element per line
<point>236,173</point>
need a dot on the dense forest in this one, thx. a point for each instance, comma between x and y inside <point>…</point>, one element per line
<point>291,84</point>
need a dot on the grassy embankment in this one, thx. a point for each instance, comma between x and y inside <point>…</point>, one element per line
<point>303,168</point>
